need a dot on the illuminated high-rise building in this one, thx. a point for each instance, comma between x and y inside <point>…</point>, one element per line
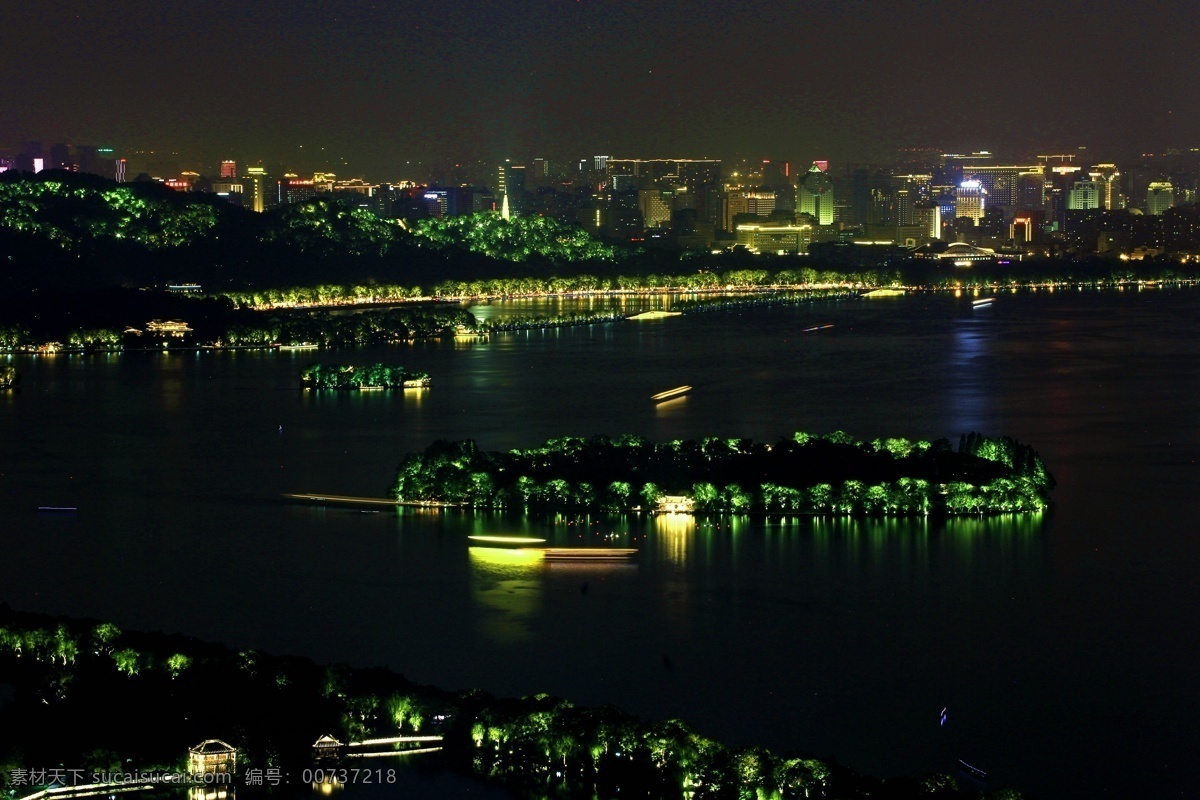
<point>510,183</point>
<point>929,217</point>
<point>1159,197</point>
<point>292,189</point>
<point>255,188</point>
<point>1109,179</point>
<point>229,170</point>
<point>759,202</point>
<point>1001,183</point>
<point>814,194</point>
<point>969,200</point>
<point>1083,196</point>
<point>656,206</point>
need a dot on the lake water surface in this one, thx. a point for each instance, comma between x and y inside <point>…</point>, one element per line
<point>1063,646</point>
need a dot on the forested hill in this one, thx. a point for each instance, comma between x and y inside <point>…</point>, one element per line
<point>59,229</point>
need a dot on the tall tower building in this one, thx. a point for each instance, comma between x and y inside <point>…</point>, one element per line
<point>1109,179</point>
<point>229,170</point>
<point>1084,195</point>
<point>256,189</point>
<point>814,195</point>
<point>1159,197</point>
<point>510,183</point>
<point>969,201</point>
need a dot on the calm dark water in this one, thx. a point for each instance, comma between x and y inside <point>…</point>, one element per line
<point>1064,646</point>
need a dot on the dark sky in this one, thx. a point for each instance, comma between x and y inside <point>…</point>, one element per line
<point>381,83</point>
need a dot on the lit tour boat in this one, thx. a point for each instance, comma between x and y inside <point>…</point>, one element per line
<point>589,553</point>
<point>670,393</point>
<point>505,541</point>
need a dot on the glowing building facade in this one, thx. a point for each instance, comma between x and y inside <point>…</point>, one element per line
<point>1159,197</point>
<point>969,200</point>
<point>814,194</point>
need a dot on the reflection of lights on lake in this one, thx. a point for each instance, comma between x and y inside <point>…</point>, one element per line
<point>673,532</point>
<point>506,584</point>
<point>328,786</point>
<point>505,556</point>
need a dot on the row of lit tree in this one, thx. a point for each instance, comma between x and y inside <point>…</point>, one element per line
<point>374,376</point>
<point>832,474</point>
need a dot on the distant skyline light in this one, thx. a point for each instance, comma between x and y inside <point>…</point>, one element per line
<point>366,88</point>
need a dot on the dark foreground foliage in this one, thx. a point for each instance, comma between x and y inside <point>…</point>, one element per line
<point>87,695</point>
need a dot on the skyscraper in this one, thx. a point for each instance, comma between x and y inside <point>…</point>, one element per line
<point>969,201</point>
<point>1159,197</point>
<point>1084,195</point>
<point>1109,179</point>
<point>257,196</point>
<point>229,170</point>
<point>814,195</point>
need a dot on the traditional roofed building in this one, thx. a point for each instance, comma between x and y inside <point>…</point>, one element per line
<point>676,504</point>
<point>173,328</point>
<point>212,756</point>
<point>327,748</point>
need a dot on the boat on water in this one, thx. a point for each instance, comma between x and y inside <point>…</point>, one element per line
<point>505,541</point>
<point>971,771</point>
<point>817,328</point>
<point>655,315</point>
<point>57,509</point>
<point>982,302</point>
<point>678,391</point>
<point>589,554</point>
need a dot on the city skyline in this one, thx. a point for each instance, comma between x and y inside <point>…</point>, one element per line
<point>361,89</point>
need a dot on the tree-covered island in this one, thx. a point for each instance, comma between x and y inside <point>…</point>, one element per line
<point>348,376</point>
<point>821,475</point>
<point>87,696</point>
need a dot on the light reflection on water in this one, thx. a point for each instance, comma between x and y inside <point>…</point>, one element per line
<point>831,635</point>
<point>507,587</point>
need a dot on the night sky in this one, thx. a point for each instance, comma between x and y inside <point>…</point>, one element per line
<point>380,83</point>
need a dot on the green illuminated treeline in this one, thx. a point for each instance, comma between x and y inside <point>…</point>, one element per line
<point>517,239</point>
<point>375,376</point>
<point>736,280</point>
<point>831,474</point>
<point>120,701</point>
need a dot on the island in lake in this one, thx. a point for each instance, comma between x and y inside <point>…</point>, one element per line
<point>806,474</point>
<point>375,376</point>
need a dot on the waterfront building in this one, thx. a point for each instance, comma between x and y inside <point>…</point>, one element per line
<point>327,748</point>
<point>172,328</point>
<point>212,756</point>
<point>780,239</point>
